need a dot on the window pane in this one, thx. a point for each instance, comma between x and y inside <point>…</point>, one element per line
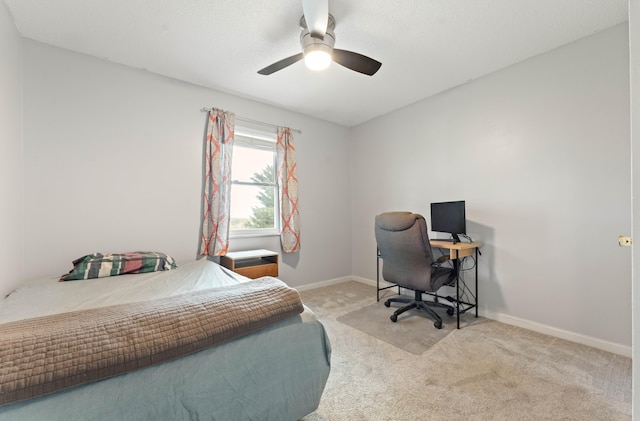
<point>252,207</point>
<point>252,165</point>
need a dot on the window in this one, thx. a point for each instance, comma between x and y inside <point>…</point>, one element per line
<point>254,190</point>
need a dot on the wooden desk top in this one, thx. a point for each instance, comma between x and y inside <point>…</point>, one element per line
<point>457,250</point>
<point>444,244</point>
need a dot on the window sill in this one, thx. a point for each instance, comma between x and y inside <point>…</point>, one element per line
<point>253,234</point>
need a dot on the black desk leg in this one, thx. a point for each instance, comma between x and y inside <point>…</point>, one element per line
<point>456,269</point>
<point>377,275</point>
<point>477,282</point>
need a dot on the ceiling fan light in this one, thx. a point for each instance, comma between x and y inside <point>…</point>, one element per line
<point>317,57</point>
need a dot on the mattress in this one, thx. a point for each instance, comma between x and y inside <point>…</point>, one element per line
<point>276,373</point>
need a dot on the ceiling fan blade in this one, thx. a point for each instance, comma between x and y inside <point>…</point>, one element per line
<point>316,14</point>
<point>279,65</point>
<point>357,62</point>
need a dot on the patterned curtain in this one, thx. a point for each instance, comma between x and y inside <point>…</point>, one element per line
<point>288,186</point>
<point>217,183</point>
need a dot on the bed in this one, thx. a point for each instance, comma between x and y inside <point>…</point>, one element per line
<point>275,370</point>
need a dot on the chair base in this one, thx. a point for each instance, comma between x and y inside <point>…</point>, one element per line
<point>419,304</point>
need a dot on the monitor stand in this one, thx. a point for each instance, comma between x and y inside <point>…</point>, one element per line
<point>454,239</point>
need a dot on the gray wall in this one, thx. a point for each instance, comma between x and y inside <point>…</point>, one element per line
<point>11,185</point>
<point>113,163</point>
<point>540,152</point>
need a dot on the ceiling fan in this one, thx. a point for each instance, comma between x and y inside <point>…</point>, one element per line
<point>317,39</point>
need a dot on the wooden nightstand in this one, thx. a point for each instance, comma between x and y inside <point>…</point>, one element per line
<point>252,263</point>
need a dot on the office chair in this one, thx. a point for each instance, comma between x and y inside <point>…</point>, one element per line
<point>403,244</point>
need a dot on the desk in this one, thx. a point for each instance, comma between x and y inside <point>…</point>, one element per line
<point>457,251</point>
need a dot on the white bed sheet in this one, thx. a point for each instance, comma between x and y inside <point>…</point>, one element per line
<point>49,296</point>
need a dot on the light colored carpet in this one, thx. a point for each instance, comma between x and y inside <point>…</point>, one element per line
<point>485,371</point>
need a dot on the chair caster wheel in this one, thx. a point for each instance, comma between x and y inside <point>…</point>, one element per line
<point>387,304</point>
<point>450,311</point>
<point>394,318</point>
<point>438,324</point>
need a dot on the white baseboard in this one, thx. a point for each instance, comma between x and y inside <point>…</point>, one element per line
<point>616,348</point>
<point>367,281</point>
<point>326,283</point>
<point>613,347</point>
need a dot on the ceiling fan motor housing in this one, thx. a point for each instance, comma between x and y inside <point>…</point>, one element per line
<point>310,43</point>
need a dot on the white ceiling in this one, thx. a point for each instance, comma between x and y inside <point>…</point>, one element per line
<point>425,46</point>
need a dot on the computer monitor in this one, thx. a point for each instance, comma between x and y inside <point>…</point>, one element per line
<point>449,217</point>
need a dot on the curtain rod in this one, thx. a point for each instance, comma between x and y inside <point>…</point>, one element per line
<point>251,121</point>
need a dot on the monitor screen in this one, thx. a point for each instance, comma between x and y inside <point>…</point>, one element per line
<point>449,217</point>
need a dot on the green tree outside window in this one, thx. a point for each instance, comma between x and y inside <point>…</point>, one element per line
<point>263,216</point>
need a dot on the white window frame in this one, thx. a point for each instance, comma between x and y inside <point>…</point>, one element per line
<point>257,139</point>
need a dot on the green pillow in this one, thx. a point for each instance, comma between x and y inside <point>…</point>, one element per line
<point>100,265</point>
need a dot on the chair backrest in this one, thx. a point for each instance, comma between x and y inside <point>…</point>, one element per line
<point>403,243</point>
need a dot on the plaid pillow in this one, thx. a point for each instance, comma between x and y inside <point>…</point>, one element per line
<point>100,265</point>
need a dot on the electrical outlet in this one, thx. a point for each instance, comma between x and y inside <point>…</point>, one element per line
<point>624,241</point>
